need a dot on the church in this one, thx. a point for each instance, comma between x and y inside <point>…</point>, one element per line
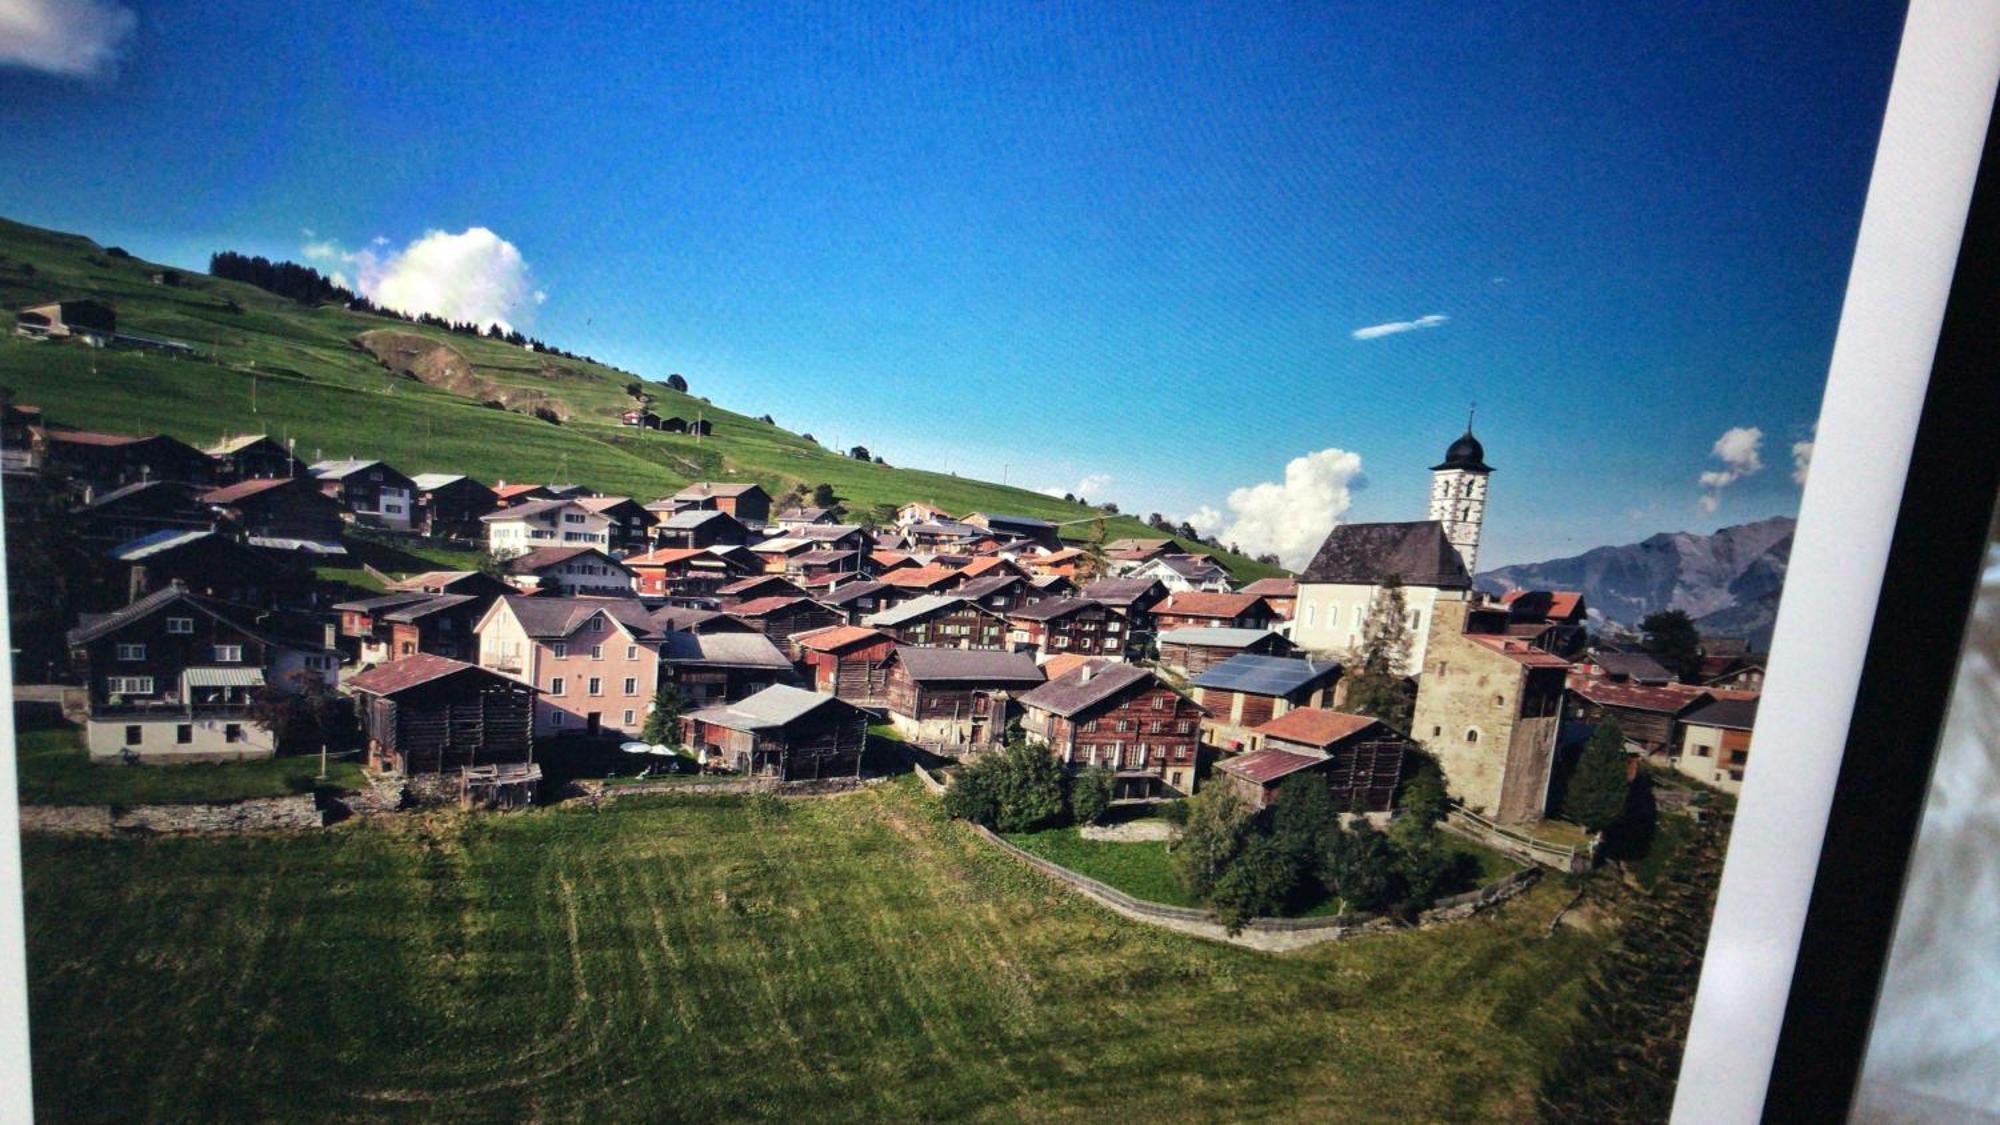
<point>1433,558</point>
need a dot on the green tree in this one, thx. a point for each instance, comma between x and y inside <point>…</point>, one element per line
<point>1422,792</point>
<point>1360,867</point>
<point>663,723</point>
<point>972,796</point>
<point>1378,671</point>
<point>1303,819</point>
<point>1217,824</point>
<point>1596,794</point>
<point>1028,782</point>
<point>677,383</point>
<point>1090,795</point>
<point>1426,868</point>
<point>1671,637</point>
<point>823,497</point>
<point>1255,882</point>
<point>304,716</point>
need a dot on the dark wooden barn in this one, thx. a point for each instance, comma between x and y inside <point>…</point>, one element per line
<point>428,714</point>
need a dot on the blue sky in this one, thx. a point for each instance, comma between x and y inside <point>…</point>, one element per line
<point>1060,244</point>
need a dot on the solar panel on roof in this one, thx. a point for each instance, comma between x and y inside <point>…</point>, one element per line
<point>1263,675</point>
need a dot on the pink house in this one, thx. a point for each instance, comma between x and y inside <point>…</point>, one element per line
<point>595,661</point>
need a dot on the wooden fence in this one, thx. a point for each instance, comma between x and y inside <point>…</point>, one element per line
<point>1516,844</point>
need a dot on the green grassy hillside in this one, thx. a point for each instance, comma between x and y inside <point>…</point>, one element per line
<point>268,364</point>
<point>845,959</point>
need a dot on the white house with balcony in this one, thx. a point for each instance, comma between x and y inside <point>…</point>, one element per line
<point>545,523</point>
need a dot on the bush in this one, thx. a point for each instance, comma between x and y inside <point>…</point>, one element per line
<point>1360,868</point>
<point>1090,796</point>
<point>1257,881</point>
<point>1217,823</point>
<point>1017,790</point>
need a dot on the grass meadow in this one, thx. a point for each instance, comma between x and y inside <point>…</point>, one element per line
<point>690,958</point>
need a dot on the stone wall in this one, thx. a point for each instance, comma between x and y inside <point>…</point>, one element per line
<point>1269,935</point>
<point>596,792</point>
<point>266,814</point>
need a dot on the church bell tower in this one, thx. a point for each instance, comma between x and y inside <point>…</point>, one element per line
<point>1458,494</point>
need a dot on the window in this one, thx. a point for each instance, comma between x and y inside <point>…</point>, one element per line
<point>595,686</point>
<point>1159,703</point>
<point>393,509</point>
<point>1700,750</point>
<point>1499,701</point>
<point>1437,732</point>
<point>1111,626</point>
<point>1309,613</point>
<point>183,734</point>
<point>1090,726</point>
<point>129,685</point>
<point>560,650</point>
<point>181,625</point>
<point>1472,736</point>
<point>1443,667</point>
<point>556,718</point>
<point>134,735</point>
<point>1415,616</point>
<point>628,718</point>
<point>232,732</point>
<point>631,652</point>
<point>631,687</point>
<point>228,654</point>
<point>1124,725</point>
<point>131,652</point>
<point>556,686</point>
<point>1184,727</point>
<point>597,652</point>
<point>572,517</point>
<point>408,648</point>
<point>1738,757</point>
<point>596,625</point>
<point>1332,616</point>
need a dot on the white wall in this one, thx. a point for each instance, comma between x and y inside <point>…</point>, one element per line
<point>1330,616</point>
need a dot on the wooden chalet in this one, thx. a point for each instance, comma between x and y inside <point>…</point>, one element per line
<point>1133,598</point>
<point>1248,690</point>
<point>1007,528</point>
<point>451,504</point>
<point>441,625</point>
<point>509,495</point>
<point>1194,651</point>
<point>848,661</point>
<point>476,583</point>
<point>1201,609</point>
<point>107,461</point>
<point>1069,625</point>
<point>696,619</point>
<point>749,503</point>
<point>431,715</point>
<point>778,552</point>
<point>1558,619</point>
<point>997,593</point>
<point>370,493</point>
<point>1611,667</point>
<point>1649,715</point>
<point>1715,742</point>
<point>700,528</point>
<point>631,524</point>
<point>721,666</point>
<point>856,601</point>
<point>916,582</point>
<point>781,732</point>
<point>941,621</point>
<point>793,518</point>
<point>133,511</point>
<point>1281,594</point>
<point>822,567</point>
<point>207,563</point>
<point>1359,758</point>
<point>782,619</point>
<point>1182,572</point>
<point>757,587</point>
<point>688,572</point>
<point>280,514</point>
<point>1119,717</point>
<point>571,572</point>
<point>954,697</point>
<point>362,623</point>
<point>836,537</point>
<point>251,457</point>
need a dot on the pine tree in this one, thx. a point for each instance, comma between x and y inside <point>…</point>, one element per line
<point>1597,790</point>
<point>1378,672</point>
<point>663,726</point>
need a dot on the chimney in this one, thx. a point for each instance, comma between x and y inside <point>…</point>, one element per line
<point>136,584</point>
<point>1083,676</point>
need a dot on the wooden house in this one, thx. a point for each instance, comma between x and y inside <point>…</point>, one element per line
<point>1181,573</point>
<point>1649,714</point>
<point>941,621</point>
<point>631,526</point>
<point>1026,529</point>
<point>1194,651</point>
<point>916,582</point>
<point>700,528</point>
<point>209,564</point>
<point>170,678</point>
<point>434,715</point>
<point>1200,609</point>
<point>1281,594</point>
<point>822,567</point>
<point>781,732</point>
<point>1560,617</point>
<point>362,623</point>
<point>280,514</point>
<point>133,511</point>
<point>508,495</point>
<point>791,519</point>
<point>476,583</point>
<point>756,587</point>
<point>1358,757</point>
<point>996,593</point>
<point>721,666</point>
<point>855,601</point>
<point>684,572</point>
<point>251,457</point>
<point>450,504</point>
<point>954,697</point>
<point>1249,690</point>
<point>527,526</point>
<point>782,619</point>
<point>848,661</point>
<point>748,503</point>
<point>1122,718</point>
<point>571,572</point>
<point>370,493</point>
<point>107,461</point>
<point>1069,625</point>
<point>778,552</point>
<point>1133,598</point>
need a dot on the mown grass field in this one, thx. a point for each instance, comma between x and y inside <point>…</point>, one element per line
<point>52,768</point>
<point>850,958</point>
<point>283,368</point>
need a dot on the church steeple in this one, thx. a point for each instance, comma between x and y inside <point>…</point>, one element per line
<point>1458,493</point>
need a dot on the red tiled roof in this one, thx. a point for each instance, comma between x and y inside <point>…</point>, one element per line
<point>1316,726</point>
<point>977,567</point>
<point>232,493</point>
<point>90,437</point>
<point>890,558</point>
<point>1273,588</point>
<point>758,607</point>
<point>1517,650</point>
<point>665,556</point>
<point>918,577</point>
<point>1202,603</point>
<point>1667,699</point>
<point>1562,603</point>
<point>419,668</point>
<point>1266,766</point>
<point>509,491</point>
<point>1063,663</point>
<point>833,638</point>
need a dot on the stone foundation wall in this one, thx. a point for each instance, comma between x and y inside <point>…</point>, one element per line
<point>268,814</point>
<point>596,792</point>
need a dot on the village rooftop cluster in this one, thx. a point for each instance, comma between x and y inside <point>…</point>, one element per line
<point>782,636</point>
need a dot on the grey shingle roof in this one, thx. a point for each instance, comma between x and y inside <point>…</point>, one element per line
<point>1051,608</point>
<point>1095,683</point>
<point>1736,714</point>
<point>1122,592</point>
<point>1215,638</point>
<point>1367,553</point>
<point>723,650</point>
<point>559,617</point>
<point>912,610</point>
<point>960,664</point>
<point>436,604</point>
<point>775,706</point>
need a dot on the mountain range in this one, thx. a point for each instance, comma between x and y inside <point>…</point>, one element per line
<point>1728,582</point>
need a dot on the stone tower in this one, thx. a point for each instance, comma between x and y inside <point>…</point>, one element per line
<point>1458,495</point>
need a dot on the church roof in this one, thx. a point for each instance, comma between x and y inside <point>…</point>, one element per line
<point>1367,553</point>
<point>1465,453</point>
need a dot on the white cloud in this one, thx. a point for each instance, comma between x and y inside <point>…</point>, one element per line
<point>1802,452</point>
<point>1740,450</point>
<point>1092,485</point>
<point>71,38</point>
<point>1288,518</point>
<point>321,250</point>
<point>1395,326</point>
<point>474,276</point>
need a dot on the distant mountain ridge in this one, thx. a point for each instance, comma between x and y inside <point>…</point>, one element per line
<point>1728,582</point>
